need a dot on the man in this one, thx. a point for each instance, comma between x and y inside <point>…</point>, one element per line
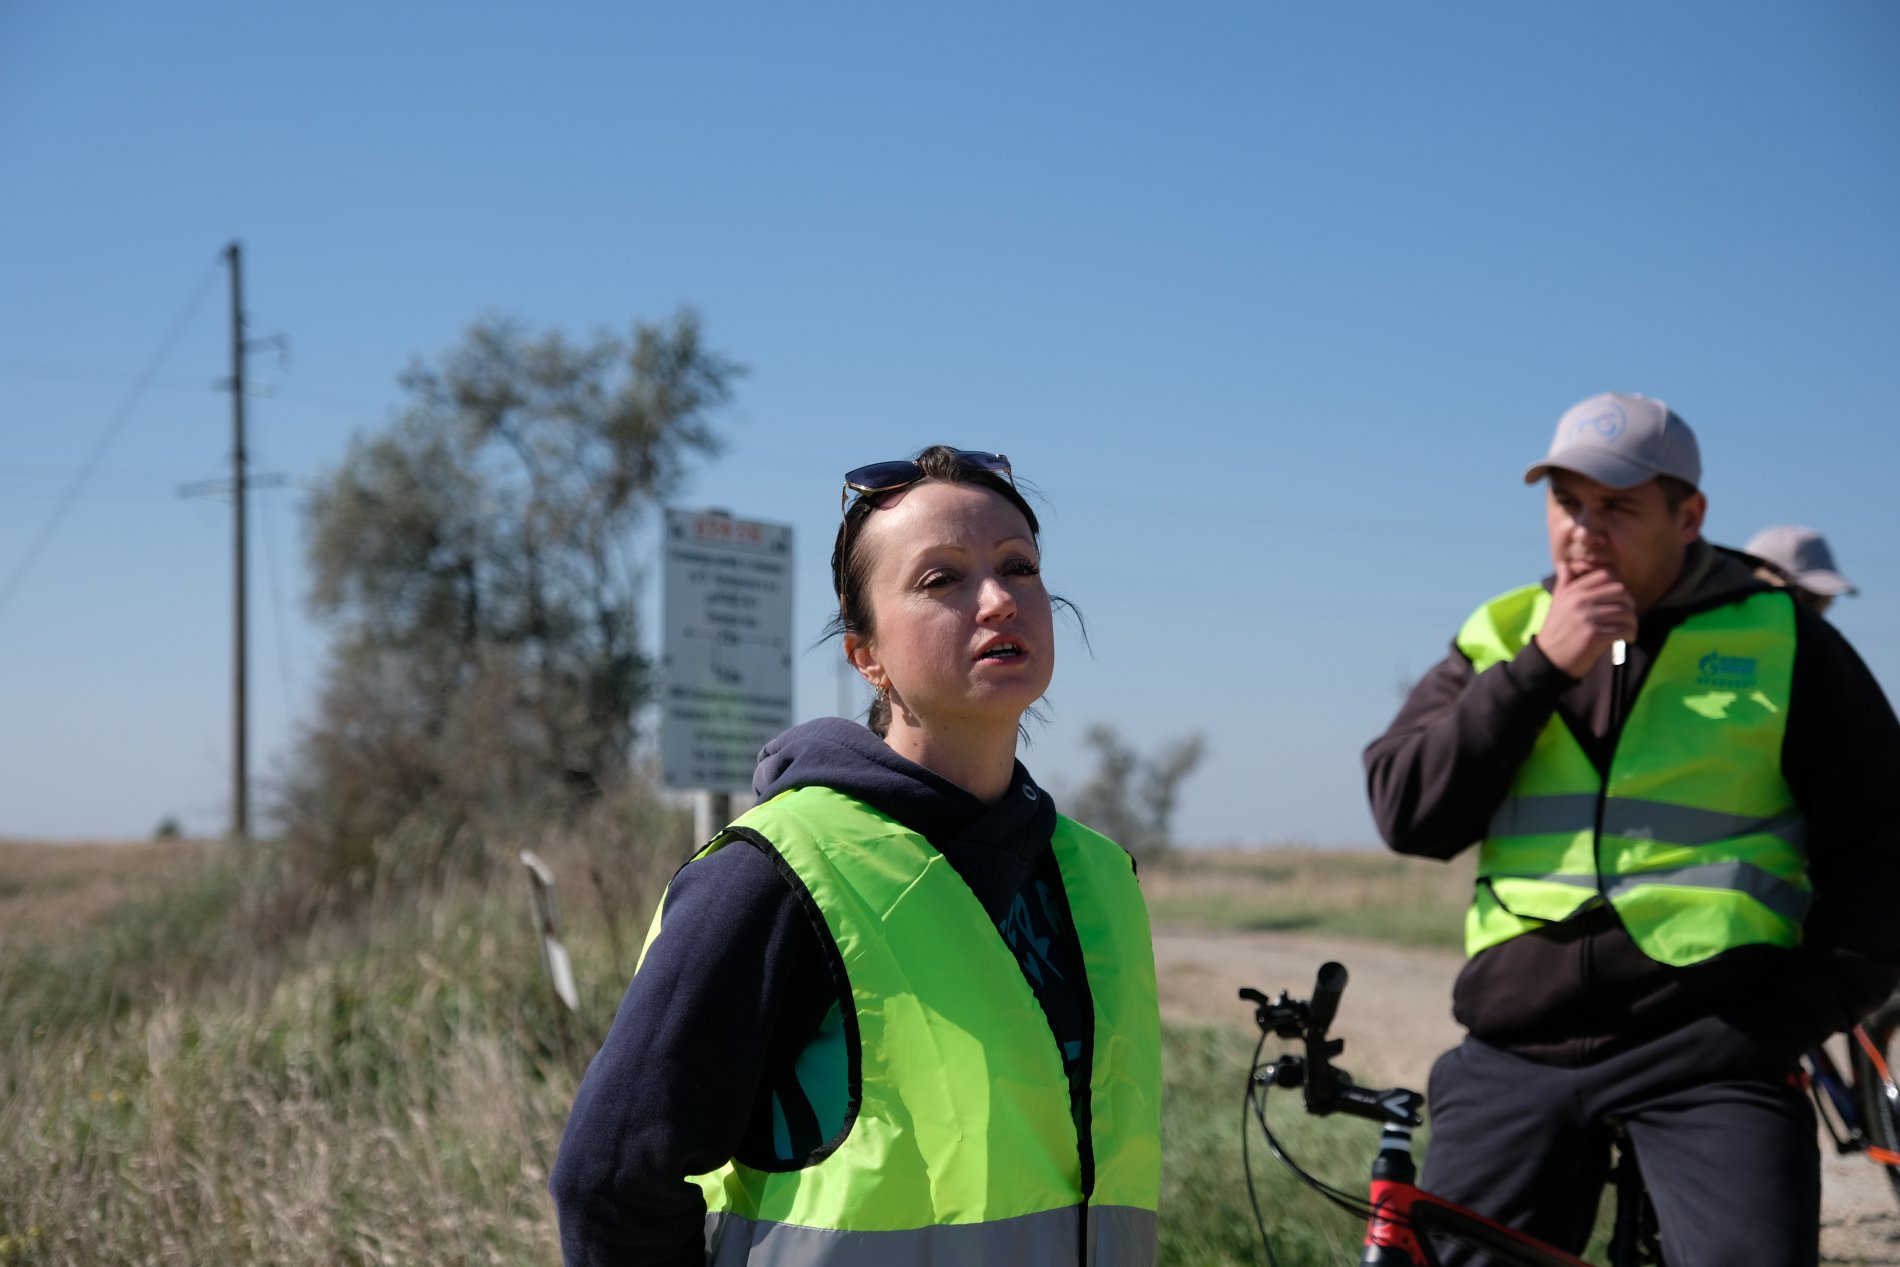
<point>1798,558</point>
<point>1689,858</point>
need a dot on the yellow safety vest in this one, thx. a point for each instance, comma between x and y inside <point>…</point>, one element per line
<point>958,1145</point>
<point>1694,838</point>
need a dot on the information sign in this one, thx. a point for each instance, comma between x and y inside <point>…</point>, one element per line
<point>726,657</point>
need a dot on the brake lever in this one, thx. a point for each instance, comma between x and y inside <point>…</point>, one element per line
<point>1284,1017</point>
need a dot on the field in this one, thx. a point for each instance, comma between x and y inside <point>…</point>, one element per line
<point>193,1072</point>
<point>1366,894</point>
<point>49,890</point>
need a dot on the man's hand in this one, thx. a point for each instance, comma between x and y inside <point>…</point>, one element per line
<point>1589,610</point>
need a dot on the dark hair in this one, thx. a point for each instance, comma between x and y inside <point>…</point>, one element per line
<point>1675,491</point>
<point>1775,575</point>
<point>849,568</point>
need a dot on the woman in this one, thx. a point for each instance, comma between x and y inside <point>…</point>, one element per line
<point>901,1011</point>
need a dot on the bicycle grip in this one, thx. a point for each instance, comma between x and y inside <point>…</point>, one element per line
<point>1325,1001</point>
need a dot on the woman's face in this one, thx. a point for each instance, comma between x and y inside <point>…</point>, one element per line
<point>961,630</point>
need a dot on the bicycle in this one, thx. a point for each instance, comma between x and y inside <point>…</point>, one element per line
<point>1861,1115</point>
<point>1862,1111</point>
<point>1402,1219</point>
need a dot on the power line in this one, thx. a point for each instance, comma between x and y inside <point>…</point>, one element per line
<point>281,623</point>
<point>116,378</point>
<point>104,442</point>
<point>90,377</point>
<point>50,473</point>
<point>29,492</point>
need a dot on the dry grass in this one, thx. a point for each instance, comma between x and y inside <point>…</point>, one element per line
<point>386,1086</point>
<point>186,1080</point>
<point>1349,893</point>
<point>50,890</point>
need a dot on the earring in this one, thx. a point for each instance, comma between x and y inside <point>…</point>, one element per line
<point>883,692</point>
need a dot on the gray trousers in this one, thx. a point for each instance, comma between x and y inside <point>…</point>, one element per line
<point>1725,1139</point>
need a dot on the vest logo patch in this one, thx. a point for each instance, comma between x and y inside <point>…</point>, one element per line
<point>1729,672</point>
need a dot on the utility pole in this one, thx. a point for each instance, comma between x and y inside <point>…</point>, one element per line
<point>240,739</point>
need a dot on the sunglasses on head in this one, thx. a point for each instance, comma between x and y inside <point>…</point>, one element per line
<point>888,477</point>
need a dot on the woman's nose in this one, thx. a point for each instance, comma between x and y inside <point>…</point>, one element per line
<point>994,599</point>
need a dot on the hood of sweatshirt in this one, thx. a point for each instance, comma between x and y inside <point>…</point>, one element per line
<point>1711,575</point>
<point>839,754</point>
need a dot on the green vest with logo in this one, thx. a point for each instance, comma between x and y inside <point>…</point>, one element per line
<point>1694,838</point>
<point>958,1145</point>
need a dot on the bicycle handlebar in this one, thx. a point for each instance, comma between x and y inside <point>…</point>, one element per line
<point>1330,984</point>
<point>1329,1089</point>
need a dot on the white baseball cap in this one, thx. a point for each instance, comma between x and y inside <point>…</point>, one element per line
<point>1621,439</point>
<point>1801,554</point>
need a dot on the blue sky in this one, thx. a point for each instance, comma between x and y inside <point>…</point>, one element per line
<point>1272,302</point>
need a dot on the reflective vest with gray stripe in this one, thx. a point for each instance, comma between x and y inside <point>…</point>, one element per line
<point>1694,838</point>
<point>958,1147</point>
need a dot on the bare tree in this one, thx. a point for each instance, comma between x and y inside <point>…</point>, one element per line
<point>1132,798</point>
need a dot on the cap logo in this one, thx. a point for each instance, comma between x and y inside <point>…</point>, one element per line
<point>1608,423</point>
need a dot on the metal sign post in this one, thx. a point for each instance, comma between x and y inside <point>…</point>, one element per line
<point>548,924</point>
<point>726,653</point>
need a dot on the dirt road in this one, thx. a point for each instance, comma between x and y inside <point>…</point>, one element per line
<point>1396,1018</point>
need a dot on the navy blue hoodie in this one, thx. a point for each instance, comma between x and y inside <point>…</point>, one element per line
<point>699,1065</point>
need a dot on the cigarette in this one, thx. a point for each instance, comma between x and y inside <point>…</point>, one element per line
<point>1619,652</point>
